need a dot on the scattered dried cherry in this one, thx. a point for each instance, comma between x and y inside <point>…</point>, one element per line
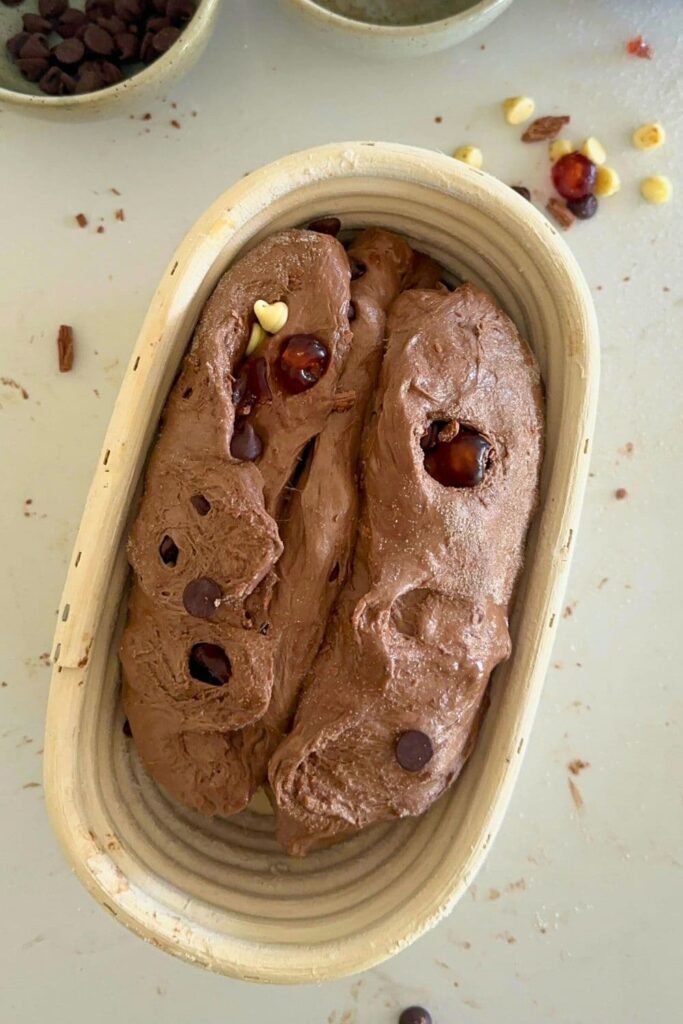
<point>637,47</point>
<point>574,176</point>
<point>303,360</point>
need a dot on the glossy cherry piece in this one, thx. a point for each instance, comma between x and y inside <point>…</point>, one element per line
<point>574,176</point>
<point>210,664</point>
<point>461,462</point>
<point>303,360</point>
<point>251,387</point>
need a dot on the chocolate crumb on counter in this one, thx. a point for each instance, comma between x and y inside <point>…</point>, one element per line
<point>620,493</point>
<point>65,348</point>
<point>100,229</point>
<point>577,766</point>
<point>9,382</point>
<point>81,220</point>
<point>120,215</point>
<point>175,123</point>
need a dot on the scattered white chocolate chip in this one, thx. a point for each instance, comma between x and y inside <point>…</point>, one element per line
<point>518,109</point>
<point>656,189</point>
<point>255,338</point>
<point>607,182</point>
<point>471,155</point>
<point>649,136</point>
<point>594,150</point>
<point>560,147</point>
<point>271,315</point>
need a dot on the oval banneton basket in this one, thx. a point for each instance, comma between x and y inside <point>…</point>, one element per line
<point>220,892</point>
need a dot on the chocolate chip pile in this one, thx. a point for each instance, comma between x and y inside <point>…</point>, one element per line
<point>67,51</point>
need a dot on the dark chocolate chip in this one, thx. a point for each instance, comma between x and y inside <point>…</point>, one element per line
<point>326,226</point>
<point>98,8</point>
<point>165,39</point>
<point>156,24</point>
<point>36,46</point>
<point>89,78</point>
<point>351,313</point>
<point>147,51</point>
<point>415,1015</point>
<point>584,208</point>
<point>36,23</point>
<point>70,22</point>
<point>69,51</point>
<point>245,444</point>
<point>15,43</point>
<point>201,504</point>
<point>180,11</point>
<point>111,24</point>
<point>168,551</point>
<point>127,731</point>
<point>111,74</point>
<point>127,46</point>
<point>413,750</point>
<point>210,664</point>
<point>129,10</point>
<point>201,598</point>
<point>358,268</point>
<point>522,191</point>
<point>56,82</point>
<point>52,8</point>
<point>98,41</point>
<point>32,68</point>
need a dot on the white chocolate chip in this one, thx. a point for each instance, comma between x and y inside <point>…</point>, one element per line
<point>471,155</point>
<point>255,338</point>
<point>518,109</point>
<point>594,150</point>
<point>656,189</point>
<point>607,182</point>
<point>560,147</point>
<point>271,315</point>
<point>649,136</point>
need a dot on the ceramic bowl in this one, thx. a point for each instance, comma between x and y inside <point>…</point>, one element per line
<point>371,29</point>
<point>220,892</point>
<point>27,98</point>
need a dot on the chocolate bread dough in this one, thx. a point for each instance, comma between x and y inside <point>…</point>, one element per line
<point>205,542</point>
<point>319,525</point>
<point>392,699</point>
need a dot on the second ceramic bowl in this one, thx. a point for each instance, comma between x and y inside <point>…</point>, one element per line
<point>16,92</point>
<point>220,892</point>
<point>415,27</point>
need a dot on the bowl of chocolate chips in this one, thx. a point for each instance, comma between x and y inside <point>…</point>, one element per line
<point>88,56</point>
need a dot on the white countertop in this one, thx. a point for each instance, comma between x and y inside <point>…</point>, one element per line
<point>575,916</point>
